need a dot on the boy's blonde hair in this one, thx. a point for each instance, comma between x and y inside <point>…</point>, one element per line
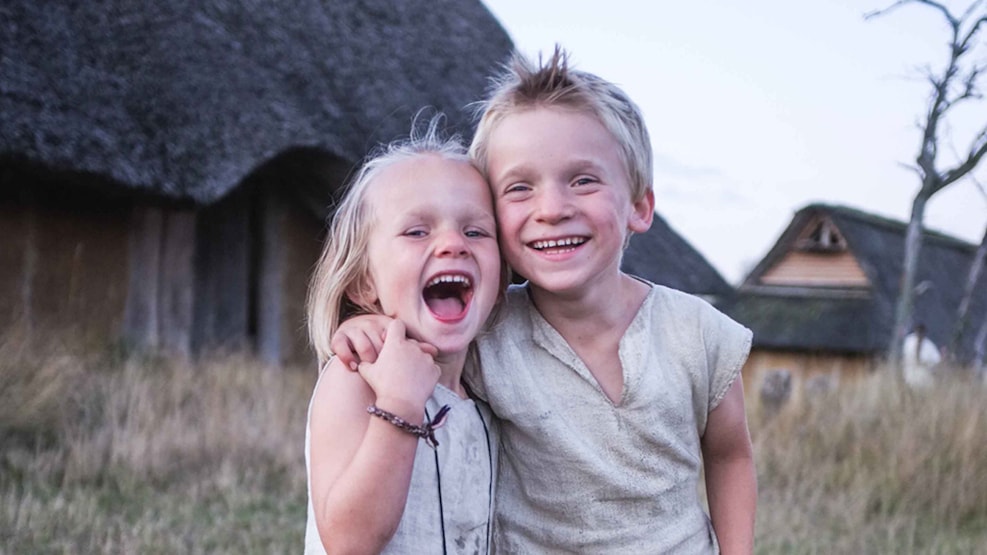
<point>340,283</point>
<point>523,86</point>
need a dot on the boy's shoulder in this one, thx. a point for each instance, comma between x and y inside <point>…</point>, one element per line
<point>665,299</point>
<point>517,303</point>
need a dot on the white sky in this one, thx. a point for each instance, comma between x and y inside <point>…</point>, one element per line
<point>759,108</point>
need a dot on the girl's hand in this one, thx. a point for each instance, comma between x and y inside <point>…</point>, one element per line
<point>404,373</point>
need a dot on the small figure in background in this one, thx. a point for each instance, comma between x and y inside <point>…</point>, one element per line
<point>919,357</point>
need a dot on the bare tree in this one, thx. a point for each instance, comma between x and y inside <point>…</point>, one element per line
<point>963,312</point>
<point>955,84</point>
<point>972,277</point>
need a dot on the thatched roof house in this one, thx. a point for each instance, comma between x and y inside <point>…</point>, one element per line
<point>165,168</point>
<point>662,256</point>
<point>823,297</point>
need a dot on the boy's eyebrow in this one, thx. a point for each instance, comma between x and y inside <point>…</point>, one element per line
<point>513,172</point>
<point>521,171</point>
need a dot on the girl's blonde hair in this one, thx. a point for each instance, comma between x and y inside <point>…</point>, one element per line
<point>340,283</point>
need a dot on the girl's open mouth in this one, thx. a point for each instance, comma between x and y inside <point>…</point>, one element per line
<point>448,296</point>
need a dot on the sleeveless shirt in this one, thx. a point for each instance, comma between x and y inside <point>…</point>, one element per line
<point>466,465</point>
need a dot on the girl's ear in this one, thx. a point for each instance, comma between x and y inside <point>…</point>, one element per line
<point>363,293</point>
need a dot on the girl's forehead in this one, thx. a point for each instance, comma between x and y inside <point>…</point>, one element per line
<point>429,185</point>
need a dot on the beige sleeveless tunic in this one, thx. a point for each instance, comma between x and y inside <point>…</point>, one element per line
<point>466,463</point>
<point>580,474</point>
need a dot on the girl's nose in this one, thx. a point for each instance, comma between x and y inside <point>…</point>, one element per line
<point>452,243</point>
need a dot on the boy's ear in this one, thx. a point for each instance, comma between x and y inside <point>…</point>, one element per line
<point>643,213</point>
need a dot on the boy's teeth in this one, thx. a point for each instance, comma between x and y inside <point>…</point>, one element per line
<point>559,243</point>
<point>449,279</point>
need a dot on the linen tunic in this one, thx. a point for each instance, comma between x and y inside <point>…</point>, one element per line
<point>467,463</point>
<point>581,474</point>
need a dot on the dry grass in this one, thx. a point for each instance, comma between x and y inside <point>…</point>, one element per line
<point>149,456</point>
<point>876,468</point>
<point>109,454</point>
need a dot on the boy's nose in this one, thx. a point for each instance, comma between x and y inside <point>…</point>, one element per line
<point>554,204</point>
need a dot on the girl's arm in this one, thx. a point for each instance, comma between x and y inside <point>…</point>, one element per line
<point>731,481</point>
<point>361,465</point>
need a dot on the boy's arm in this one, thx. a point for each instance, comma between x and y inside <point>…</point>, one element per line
<point>731,481</point>
<point>361,465</point>
<point>360,339</point>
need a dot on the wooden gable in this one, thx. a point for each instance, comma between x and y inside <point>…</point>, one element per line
<point>818,257</point>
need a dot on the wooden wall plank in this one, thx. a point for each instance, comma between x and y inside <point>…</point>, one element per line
<point>177,281</point>
<point>140,320</point>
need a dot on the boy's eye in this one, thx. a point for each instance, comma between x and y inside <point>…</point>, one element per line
<point>584,181</point>
<point>415,233</point>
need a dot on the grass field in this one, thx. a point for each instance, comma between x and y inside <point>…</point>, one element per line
<point>112,454</point>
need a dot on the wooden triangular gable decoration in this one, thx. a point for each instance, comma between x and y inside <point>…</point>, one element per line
<point>818,257</point>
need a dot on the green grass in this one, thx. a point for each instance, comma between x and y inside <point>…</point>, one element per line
<point>107,453</point>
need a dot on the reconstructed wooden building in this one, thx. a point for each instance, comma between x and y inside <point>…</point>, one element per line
<point>822,301</point>
<point>166,169</point>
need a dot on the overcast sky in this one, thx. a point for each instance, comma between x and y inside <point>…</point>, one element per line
<point>759,108</point>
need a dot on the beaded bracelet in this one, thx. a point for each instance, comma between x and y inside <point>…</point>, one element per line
<point>426,432</point>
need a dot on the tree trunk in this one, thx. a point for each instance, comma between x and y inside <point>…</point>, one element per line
<point>978,347</point>
<point>963,312</point>
<point>906,295</point>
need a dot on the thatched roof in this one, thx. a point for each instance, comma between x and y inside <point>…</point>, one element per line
<point>860,321</point>
<point>184,99</point>
<point>662,256</point>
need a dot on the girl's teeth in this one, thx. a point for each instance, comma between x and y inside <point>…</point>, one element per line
<point>449,279</point>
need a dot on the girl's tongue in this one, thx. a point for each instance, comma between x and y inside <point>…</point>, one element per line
<point>446,300</point>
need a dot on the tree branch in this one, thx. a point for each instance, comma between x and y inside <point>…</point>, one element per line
<point>899,3</point>
<point>949,17</point>
<point>977,151</point>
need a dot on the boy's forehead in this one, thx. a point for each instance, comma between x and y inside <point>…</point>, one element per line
<point>558,110</point>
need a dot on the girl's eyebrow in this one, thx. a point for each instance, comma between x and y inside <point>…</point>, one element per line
<point>470,213</point>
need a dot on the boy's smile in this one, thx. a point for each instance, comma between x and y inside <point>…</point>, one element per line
<point>563,198</point>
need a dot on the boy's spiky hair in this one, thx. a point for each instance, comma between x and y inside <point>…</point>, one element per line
<point>523,85</point>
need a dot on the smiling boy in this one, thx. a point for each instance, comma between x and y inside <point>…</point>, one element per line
<point>614,394</point>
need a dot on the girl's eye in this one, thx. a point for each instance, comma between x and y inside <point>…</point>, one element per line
<point>415,233</point>
<point>585,181</point>
<point>517,188</point>
<point>476,233</point>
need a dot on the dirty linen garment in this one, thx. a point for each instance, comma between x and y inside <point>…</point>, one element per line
<point>579,474</point>
<point>465,468</point>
